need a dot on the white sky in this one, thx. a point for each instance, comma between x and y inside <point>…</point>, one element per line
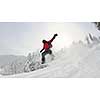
<point>22,38</point>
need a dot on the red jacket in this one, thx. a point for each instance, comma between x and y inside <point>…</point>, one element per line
<point>47,45</point>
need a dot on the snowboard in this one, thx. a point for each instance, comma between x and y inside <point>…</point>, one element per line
<point>37,66</point>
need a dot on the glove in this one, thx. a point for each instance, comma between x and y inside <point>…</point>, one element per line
<point>55,35</point>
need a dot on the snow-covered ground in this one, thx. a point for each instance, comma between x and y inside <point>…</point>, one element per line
<point>75,62</point>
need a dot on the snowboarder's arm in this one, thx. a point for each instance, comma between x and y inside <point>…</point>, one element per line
<point>53,38</point>
<point>42,50</point>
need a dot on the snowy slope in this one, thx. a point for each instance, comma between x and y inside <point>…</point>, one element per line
<point>77,61</point>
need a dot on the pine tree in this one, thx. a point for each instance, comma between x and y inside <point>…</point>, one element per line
<point>91,37</point>
<point>87,39</point>
<point>97,25</point>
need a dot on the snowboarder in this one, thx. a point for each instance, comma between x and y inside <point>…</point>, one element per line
<point>46,47</point>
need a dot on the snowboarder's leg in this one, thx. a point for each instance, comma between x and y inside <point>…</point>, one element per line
<point>45,53</point>
<point>43,57</point>
<point>50,52</point>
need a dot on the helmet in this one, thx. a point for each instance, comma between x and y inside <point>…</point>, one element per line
<point>44,41</point>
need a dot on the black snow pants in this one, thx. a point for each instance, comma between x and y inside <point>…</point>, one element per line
<point>44,54</point>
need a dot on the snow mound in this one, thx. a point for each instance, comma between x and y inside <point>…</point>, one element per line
<point>79,60</point>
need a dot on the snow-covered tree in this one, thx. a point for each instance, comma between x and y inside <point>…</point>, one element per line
<point>87,39</point>
<point>97,25</point>
<point>33,61</point>
<point>91,37</point>
<point>80,42</point>
<point>14,67</point>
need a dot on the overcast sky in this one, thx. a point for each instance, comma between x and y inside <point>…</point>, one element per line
<point>21,38</point>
